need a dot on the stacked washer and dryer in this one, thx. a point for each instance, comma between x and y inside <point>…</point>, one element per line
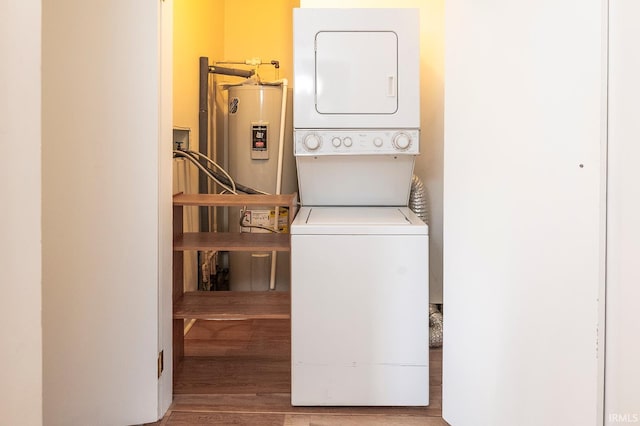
<point>359,255</point>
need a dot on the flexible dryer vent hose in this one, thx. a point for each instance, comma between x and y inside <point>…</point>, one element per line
<point>418,199</point>
<point>435,326</point>
<point>419,205</point>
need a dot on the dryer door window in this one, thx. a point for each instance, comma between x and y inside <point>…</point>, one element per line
<point>356,72</point>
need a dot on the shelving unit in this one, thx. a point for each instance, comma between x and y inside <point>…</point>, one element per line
<point>224,305</point>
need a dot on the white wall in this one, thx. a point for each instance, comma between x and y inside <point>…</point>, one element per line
<point>101,213</point>
<point>523,212</point>
<point>622,386</point>
<point>165,207</point>
<point>20,229</point>
<point>429,165</point>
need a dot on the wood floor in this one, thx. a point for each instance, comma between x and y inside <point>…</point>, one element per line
<point>238,373</point>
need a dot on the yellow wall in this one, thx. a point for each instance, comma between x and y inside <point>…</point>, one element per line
<point>222,30</point>
<point>198,31</point>
<point>263,29</point>
<point>226,30</point>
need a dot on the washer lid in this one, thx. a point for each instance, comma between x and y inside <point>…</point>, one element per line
<point>357,221</point>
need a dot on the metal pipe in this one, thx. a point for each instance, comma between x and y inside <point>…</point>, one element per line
<point>252,62</point>
<point>283,110</point>
<point>203,136</point>
<point>226,178</point>
<point>224,172</point>
<point>231,71</point>
<point>203,133</point>
<point>220,178</point>
<point>203,170</point>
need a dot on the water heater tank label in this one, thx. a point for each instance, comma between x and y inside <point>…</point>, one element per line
<point>233,105</point>
<point>259,149</point>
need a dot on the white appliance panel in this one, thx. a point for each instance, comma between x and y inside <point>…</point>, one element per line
<point>359,221</point>
<point>346,81</point>
<point>348,180</point>
<point>361,386</point>
<point>359,317</point>
<point>356,142</point>
<point>350,216</point>
<point>356,68</point>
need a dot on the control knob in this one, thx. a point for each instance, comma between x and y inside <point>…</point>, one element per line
<point>377,142</point>
<point>311,142</point>
<point>336,142</point>
<point>401,141</point>
<point>347,142</point>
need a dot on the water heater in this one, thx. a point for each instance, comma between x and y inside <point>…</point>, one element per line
<point>253,120</point>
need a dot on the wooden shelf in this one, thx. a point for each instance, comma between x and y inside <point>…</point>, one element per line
<point>225,305</point>
<point>235,200</point>
<point>232,241</point>
<point>233,305</point>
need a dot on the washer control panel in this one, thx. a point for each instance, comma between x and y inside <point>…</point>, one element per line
<point>356,142</point>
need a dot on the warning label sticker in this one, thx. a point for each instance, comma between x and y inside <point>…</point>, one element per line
<point>233,105</point>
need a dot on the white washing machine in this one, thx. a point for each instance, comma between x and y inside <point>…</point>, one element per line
<point>359,274</point>
<point>359,307</point>
<point>359,256</point>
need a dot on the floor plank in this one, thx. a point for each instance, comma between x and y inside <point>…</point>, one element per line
<point>233,305</point>
<point>223,419</point>
<point>239,338</point>
<point>281,403</point>
<point>238,373</point>
<point>356,420</point>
